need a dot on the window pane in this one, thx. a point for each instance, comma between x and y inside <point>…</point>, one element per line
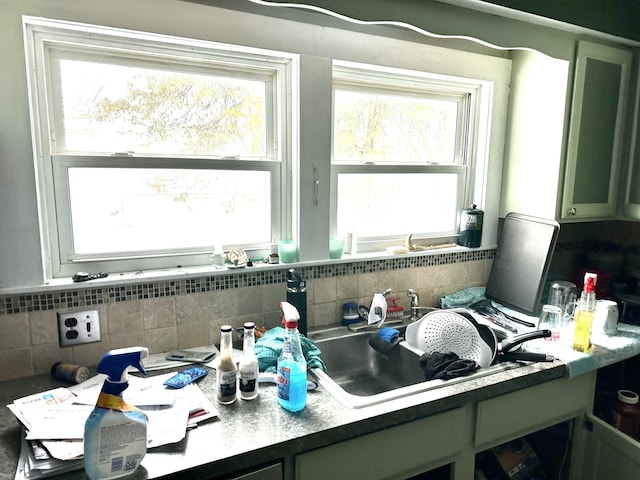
<point>127,210</point>
<point>387,128</point>
<point>397,204</point>
<point>115,108</point>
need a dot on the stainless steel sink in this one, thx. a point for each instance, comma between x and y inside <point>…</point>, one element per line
<point>359,376</point>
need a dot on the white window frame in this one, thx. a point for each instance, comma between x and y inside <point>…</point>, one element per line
<point>471,157</point>
<point>45,37</point>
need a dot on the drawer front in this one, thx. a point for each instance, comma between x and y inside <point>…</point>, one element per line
<point>270,472</point>
<point>395,452</point>
<point>515,414</point>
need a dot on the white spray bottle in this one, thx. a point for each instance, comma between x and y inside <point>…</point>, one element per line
<point>378,310</point>
<point>115,433</point>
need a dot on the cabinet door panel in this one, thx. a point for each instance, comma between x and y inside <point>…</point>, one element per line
<point>596,132</point>
<point>594,162</point>
<point>632,191</point>
<point>397,452</point>
<point>519,413</point>
<point>610,453</point>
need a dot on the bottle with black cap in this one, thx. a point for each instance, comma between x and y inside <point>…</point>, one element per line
<point>297,296</point>
<point>471,227</point>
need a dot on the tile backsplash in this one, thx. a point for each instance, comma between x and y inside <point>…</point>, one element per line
<point>185,313</point>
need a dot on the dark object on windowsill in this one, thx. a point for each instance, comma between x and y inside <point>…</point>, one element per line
<point>84,276</point>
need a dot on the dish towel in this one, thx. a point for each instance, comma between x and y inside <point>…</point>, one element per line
<point>269,346</point>
<point>444,366</point>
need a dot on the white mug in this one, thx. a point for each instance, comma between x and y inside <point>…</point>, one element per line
<point>606,318</point>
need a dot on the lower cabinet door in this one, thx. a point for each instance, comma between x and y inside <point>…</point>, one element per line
<point>397,452</point>
<point>609,453</point>
<point>519,413</point>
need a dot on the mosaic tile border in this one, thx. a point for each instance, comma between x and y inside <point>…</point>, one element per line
<point>111,294</point>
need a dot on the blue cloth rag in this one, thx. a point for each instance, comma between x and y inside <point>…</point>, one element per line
<point>463,298</point>
<point>269,346</point>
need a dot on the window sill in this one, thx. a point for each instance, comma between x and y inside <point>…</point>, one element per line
<point>151,276</point>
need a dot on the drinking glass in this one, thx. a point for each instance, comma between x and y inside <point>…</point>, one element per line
<point>563,294</point>
<point>551,319</point>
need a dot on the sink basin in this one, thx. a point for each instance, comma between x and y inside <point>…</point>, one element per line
<point>359,376</point>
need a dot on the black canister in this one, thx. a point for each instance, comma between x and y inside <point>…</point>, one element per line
<point>297,296</point>
<point>471,227</point>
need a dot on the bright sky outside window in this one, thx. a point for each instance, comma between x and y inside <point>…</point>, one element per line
<point>385,128</point>
<point>158,151</point>
<point>401,155</point>
<point>115,108</point>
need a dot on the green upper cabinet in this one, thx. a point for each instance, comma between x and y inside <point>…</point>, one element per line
<point>596,132</point>
<point>632,180</point>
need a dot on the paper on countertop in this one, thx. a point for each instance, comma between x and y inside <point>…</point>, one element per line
<point>63,449</point>
<point>50,398</point>
<point>167,424</point>
<point>30,467</point>
<point>57,415</point>
<point>56,396</point>
<point>141,392</point>
<point>56,422</point>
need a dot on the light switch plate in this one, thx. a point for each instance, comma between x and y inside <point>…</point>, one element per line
<point>78,327</point>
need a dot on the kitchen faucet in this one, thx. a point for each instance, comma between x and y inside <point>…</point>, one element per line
<point>392,321</point>
<point>415,305</point>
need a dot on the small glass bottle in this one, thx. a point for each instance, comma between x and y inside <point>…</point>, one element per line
<point>274,257</point>
<point>248,366</point>
<point>218,257</point>
<point>226,382</point>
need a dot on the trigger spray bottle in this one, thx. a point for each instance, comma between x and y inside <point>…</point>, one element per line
<point>291,378</point>
<point>115,433</point>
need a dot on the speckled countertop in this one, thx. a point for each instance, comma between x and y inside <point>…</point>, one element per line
<point>259,432</point>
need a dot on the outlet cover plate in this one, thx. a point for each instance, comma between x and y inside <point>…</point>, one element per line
<point>78,327</point>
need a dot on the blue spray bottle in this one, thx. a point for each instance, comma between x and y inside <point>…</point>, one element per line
<point>291,378</point>
<point>115,433</point>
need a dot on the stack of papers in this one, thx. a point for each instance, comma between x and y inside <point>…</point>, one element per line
<point>54,420</point>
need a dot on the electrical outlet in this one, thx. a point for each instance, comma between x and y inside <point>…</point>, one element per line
<point>78,327</point>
